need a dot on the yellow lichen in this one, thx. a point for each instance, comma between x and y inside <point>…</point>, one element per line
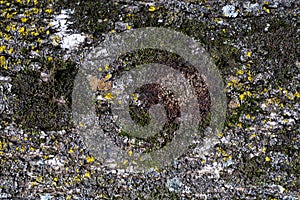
<point>108,95</point>
<point>70,151</point>
<point>81,124</point>
<point>10,51</point>
<point>34,33</point>
<point>128,27</point>
<point>106,67</point>
<point>24,19</point>
<point>21,30</point>
<point>2,49</point>
<point>217,20</point>
<point>297,95</point>
<point>240,72</point>
<point>39,179</point>
<point>35,10</point>
<point>252,136</point>
<point>108,76</point>
<point>90,159</point>
<point>125,162</point>
<point>267,10</point>
<point>250,145</point>
<point>88,174</point>
<point>220,134</point>
<point>242,96</point>
<point>250,78</point>
<point>77,178</point>
<point>22,149</point>
<point>48,11</point>
<point>152,8</point>
<point>130,153</point>
<point>135,98</point>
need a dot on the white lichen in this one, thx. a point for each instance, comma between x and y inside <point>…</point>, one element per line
<point>229,11</point>
<point>68,41</point>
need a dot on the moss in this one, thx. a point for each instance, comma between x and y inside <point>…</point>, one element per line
<point>140,116</point>
<point>275,46</point>
<point>36,103</point>
<point>94,23</point>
